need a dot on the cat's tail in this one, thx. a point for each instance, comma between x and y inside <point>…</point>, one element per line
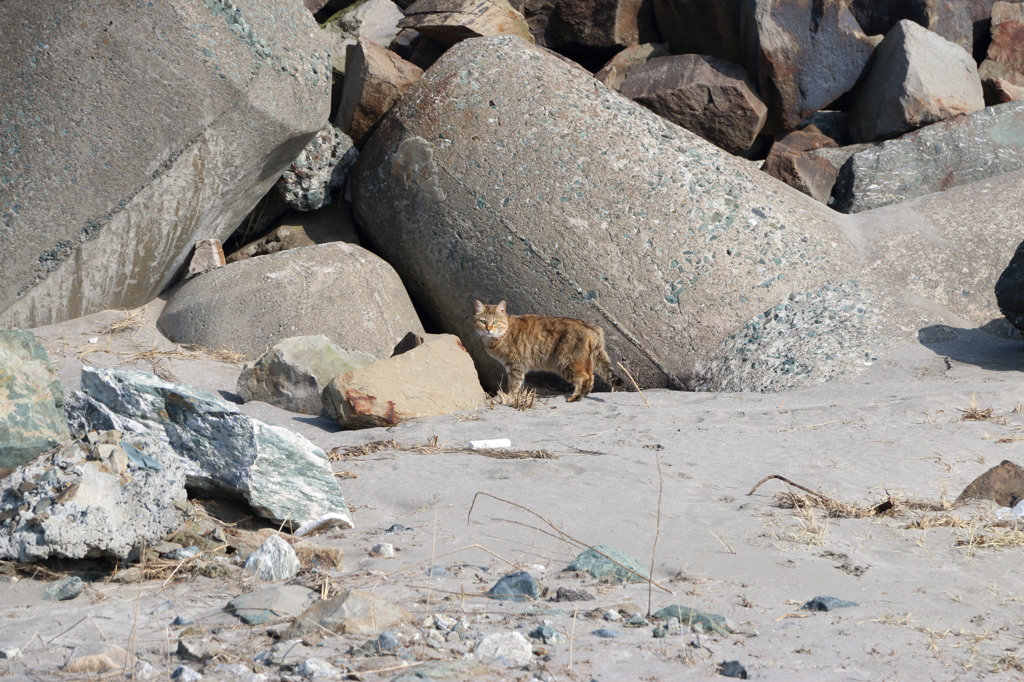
<point>603,368</point>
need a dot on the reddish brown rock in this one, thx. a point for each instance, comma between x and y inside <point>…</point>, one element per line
<point>434,378</point>
<point>951,19</point>
<point>710,27</point>
<point>807,138</point>
<point>376,79</point>
<point>596,23</point>
<point>708,96</point>
<point>1004,64</point>
<point>812,175</point>
<point>449,21</point>
<point>803,54</point>
<point>1003,484</point>
<point>614,72</point>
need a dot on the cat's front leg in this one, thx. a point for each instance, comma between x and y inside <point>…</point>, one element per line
<point>515,377</point>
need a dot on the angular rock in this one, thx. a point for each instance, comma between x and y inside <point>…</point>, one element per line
<point>340,290</point>
<point>437,377</point>
<point>408,342</point>
<point>806,139</point>
<point>32,399</point>
<point>812,175</point>
<point>951,19</point>
<point>97,657</point>
<point>570,232</point>
<point>705,95</point>
<point>695,619</point>
<point>316,668</point>
<point>450,21</point>
<point>1002,72</point>
<point>833,124</point>
<point>710,27</point>
<point>293,373</point>
<point>375,80</point>
<point>987,143</point>
<point>508,648</point>
<point>65,589</point>
<point>353,612</point>
<point>269,603</point>
<point>331,223</point>
<point>322,166</point>
<point>183,673</point>
<point>375,20</point>
<point>573,594</point>
<point>1003,484</point>
<point>604,560</point>
<point>547,634</point>
<point>286,653</point>
<point>614,72</point>
<point>279,473</point>
<point>310,554</point>
<point>825,603</point>
<point>519,586</point>
<point>416,48</point>
<point>275,560</point>
<point>1009,291</point>
<point>237,92</point>
<point>83,511</point>
<point>209,253</point>
<point>803,54</point>
<point>596,23</point>
<point>917,78</point>
<point>198,649</point>
<point>445,671</point>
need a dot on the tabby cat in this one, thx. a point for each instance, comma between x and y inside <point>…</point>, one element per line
<point>524,343</point>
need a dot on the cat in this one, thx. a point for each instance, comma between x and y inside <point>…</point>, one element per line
<point>523,343</point>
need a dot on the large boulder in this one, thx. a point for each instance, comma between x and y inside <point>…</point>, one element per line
<point>31,400</point>
<point>803,55</point>
<point>330,223</point>
<point>710,27</point>
<point>375,20</point>
<point>279,473</point>
<point>812,175</point>
<point>596,23</point>
<point>932,159</point>
<point>614,72</point>
<point>293,373</point>
<point>1004,63</point>
<point>917,78</point>
<point>449,21</point>
<point>340,290</point>
<point>1010,289</point>
<point>160,125</point>
<point>951,19</point>
<point>435,377</point>
<point>705,95</point>
<point>486,181</point>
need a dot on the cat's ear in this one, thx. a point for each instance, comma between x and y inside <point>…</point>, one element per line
<point>478,307</point>
<point>500,307</point>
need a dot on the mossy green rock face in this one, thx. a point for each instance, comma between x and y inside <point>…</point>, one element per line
<point>31,400</point>
<point>293,373</point>
<point>609,561</point>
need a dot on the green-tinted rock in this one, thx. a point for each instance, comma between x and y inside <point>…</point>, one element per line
<point>695,619</point>
<point>599,566</point>
<point>31,400</point>
<point>294,372</point>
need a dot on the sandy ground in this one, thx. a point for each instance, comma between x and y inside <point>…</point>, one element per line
<point>669,480</point>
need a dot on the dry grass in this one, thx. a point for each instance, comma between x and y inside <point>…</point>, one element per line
<point>997,535</point>
<point>972,413</point>
<point>522,399</point>
<point>132,321</point>
<point>431,447</point>
<point>810,528</point>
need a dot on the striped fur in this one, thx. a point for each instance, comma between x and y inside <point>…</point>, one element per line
<point>524,343</point>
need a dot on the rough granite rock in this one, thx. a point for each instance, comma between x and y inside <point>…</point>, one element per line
<point>1003,484</point>
<point>710,27</point>
<point>596,23</point>
<point>667,242</point>
<point>951,19</point>
<point>80,508</point>
<point>933,159</point>
<point>353,612</point>
<point>275,560</point>
<point>437,377</point>
<point>614,72</point>
<point>705,95</point>
<point>322,166</point>
<point>193,108</point>
<point>294,372</point>
<point>508,648</point>
<point>1003,67</point>
<point>31,400</point>
<point>812,175</point>
<point>449,21</point>
<point>916,78</point>
<point>376,79</point>
<point>340,290</point>
<point>803,54</point>
<point>375,20</point>
<point>276,471</point>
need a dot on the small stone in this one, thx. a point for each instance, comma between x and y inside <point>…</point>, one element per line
<point>732,669</point>
<point>611,615</point>
<point>183,621</point>
<point>822,603</point>
<point>197,649</point>
<point>9,653</point>
<point>603,560</point>
<point>659,633</point>
<point>96,657</point>
<point>65,589</point>
<point>288,653</point>
<point>183,673</point>
<point>573,594</point>
<point>547,634</point>
<point>145,671</point>
<point>383,550</point>
<point>443,622</point>
<point>695,619</point>
<point>636,621</point>
<point>436,571</point>
<point>510,648</point>
<point>182,553</point>
<point>274,560</point>
<point>387,641</point>
<point>606,633</point>
<point>353,612</point>
<point>257,608</point>
<point>397,527</point>
<point>315,668</point>
<point>518,586</point>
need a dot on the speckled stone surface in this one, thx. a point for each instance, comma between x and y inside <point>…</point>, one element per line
<point>131,130</point>
<point>506,174</point>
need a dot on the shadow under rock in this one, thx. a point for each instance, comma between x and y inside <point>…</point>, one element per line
<point>996,345</point>
<point>327,424</point>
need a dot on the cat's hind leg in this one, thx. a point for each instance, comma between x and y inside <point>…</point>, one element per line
<point>581,374</point>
